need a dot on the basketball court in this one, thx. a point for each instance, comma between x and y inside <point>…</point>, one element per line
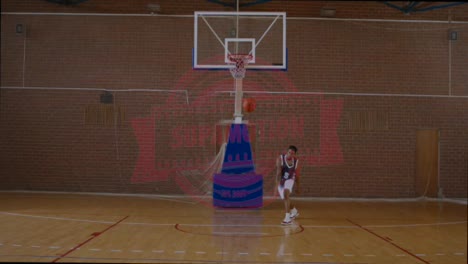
<point>67,227</point>
<point>177,165</point>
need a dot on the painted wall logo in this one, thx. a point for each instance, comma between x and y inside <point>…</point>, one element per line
<point>177,141</point>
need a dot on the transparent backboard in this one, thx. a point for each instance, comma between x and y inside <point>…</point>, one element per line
<point>259,34</point>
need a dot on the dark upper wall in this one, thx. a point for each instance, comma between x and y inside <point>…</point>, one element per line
<point>344,9</point>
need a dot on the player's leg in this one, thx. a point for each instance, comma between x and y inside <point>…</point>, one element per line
<point>293,213</point>
<point>281,191</point>
<point>287,218</point>
<point>286,200</point>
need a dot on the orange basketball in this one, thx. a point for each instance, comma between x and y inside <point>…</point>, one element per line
<point>248,105</point>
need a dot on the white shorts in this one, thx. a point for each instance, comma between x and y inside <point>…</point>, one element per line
<point>288,184</point>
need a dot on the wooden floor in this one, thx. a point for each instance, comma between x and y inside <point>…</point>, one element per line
<point>54,227</point>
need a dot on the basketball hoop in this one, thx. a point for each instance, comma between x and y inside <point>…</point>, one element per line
<point>240,61</point>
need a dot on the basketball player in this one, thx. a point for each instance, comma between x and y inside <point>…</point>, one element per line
<point>287,173</point>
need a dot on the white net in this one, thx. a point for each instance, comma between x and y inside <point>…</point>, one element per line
<point>240,61</point>
<point>198,182</point>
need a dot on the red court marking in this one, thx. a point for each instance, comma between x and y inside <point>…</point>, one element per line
<point>178,228</point>
<point>93,235</point>
<point>386,239</point>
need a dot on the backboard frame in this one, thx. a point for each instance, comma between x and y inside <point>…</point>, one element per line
<point>276,17</point>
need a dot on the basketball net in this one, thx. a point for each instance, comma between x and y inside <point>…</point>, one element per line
<point>198,181</point>
<point>240,61</point>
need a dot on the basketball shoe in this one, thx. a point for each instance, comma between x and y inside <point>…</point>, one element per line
<point>287,219</point>
<point>294,213</point>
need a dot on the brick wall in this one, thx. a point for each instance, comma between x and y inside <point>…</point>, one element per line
<point>355,94</point>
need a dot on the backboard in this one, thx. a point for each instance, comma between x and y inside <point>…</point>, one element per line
<point>259,34</point>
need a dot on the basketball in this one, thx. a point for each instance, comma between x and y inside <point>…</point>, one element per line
<point>248,105</point>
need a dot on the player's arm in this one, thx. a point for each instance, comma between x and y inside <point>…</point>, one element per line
<point>278,170</point>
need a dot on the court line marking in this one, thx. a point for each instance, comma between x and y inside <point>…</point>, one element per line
<point>416,225</point>
<point>260,253</point>
<point>56,218</point>
<point>165,260</point>
<point>183,198</point>
<point>89,239</point>
<point>106,222</point>
<point>174,198</point>
<point>230,225</point>
<point>239,233</point>
<point>386,240</point>
<point>241,226</point>
<point>239,253</point>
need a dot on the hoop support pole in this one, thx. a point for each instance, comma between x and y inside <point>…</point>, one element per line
<point>238,101</point>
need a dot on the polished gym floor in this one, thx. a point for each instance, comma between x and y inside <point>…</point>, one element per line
<point>72,227</point>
